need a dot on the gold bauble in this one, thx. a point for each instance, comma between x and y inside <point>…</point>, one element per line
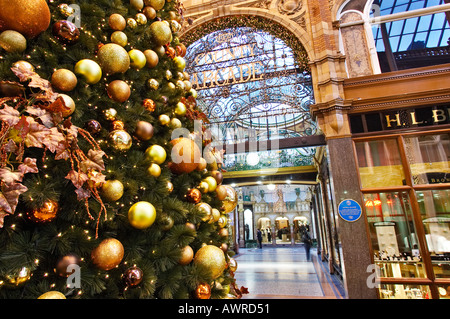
<point>153,84</point>
<point>154,170</point>
<point>180,109</point>
<point>175,123</point>
<point>185,155</point>
<point>144,130</point>
<point>215,215</point>
<point>17,278</point>
<point>23,65</point>
<point>223,220</point>
<point>157,4</point>
<point>69,103</point>
<point>120,140</point>
<point>156,154</point>
<point>141,18</point>
<point>108,254</point>
<point>151,58</point>
<point>132,23</point>
<point>203,187</point>
<point>194,196</point>
<point>113,58</point>
<point>64,80</point>
<point>120,38</point>
<point>221,192</point>
<point>52,295</point>
<point>232,264</point>
<point>112,190</point>
<point>110,114</point>
<point>180,63</point>
<point>212,259</point>
<point>165,222</point>
<point>230,200</point>
<point>117,22</point>
<point>206,209</point>
<point>169,187</point>
<point>142,215</point>
<point>118,91</point>
<point>223,232</point>
<point>13,41</point>
<point>149,12</point>
<point>137,59</point>
<point>44,214</point>
<point>218,176</point>
<point>164,119</point>
<point>89,69</point>
<point>117,125</point>
<point>212,183</point>
<point>161,33</point>
<point>29,17</point>
<point>202,291</point>
<point>202,164</point>
<point>137,4</point>
<point>187,254</point>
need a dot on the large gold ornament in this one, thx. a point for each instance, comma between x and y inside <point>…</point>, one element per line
<point>113,58</point>
<point>142,215</point>
<point>108,254</point>
<point>89,69</point>
<point>161,33</point>
<point>112,190</point>
<point>29,17</point>
<point>13,41</point>
<point>118,91</point>
<point>44,214</point>
<point>185,155</point>
<point>212,259</point>
<point>64,80</point>
<point>156,154</point>
<point>120,140</point>
<point>230,201</point>
<point>52,295</point>
<point>187,254</point>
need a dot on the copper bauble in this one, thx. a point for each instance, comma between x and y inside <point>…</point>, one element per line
<point>64,80</point>
<point>156,154</point>
<point>113,58</point>
<point>194,196</point>
<point>117,22</point>
<point>52,295</point>
<point>144,130</point>
<point>212,259</point>
<point>190,226</point>
<point>64,262</point>
<point>120,140</point>
<point>203,291</point>
<point>13,41</point>
<point>161,33</point>
<point>149,105</point>
<point>151,58</point>
<point>230,201</point>
<point>185,155</point>
<point>108,254</point>
<point>142,215</point>
<point>66,32</point>
<point>117,125</point>
<point>44,214</point>
<point>187,254</point>
<point>133,276</point>
<point>221,192</point>
<point>29,17</point>
<point>118,91</point>
<point>223,232</point>
<point>93,127</point>
<point>112,190</point>
<point>149,12</point>
<point>218,176</point>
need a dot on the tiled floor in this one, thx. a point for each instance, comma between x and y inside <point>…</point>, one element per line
<point>284,273</point>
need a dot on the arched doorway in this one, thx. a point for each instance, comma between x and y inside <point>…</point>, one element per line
<point>300,224</point>
<point>264,224</point>
<point>283,232</point>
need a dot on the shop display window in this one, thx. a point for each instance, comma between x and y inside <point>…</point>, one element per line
<point>444,291</point>
<point>391,291</point>
<point>428,157</point>
<point>380,163</point>
<point>393,235</point>
<point>435,212</point>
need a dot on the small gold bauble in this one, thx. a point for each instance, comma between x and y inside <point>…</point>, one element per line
<point>68,103</point>
<point>17,278</point>
<point>187,254</point>
<point>110,114</point>
<point>230,201</point>
<point>120,140</point>
<point>156,154</point>
<point>206,209</point>
<point>212,183</point>
<point>223,232</point>
<point>89,69</point>
<point>144,130</point>
<point>153,84</point>
<point>212,259</point>
<point>232,264</point>
<point>180,109</point>
<point>180,63</point>
<point>118,91</point>
<point>175,123</point>
<point>222,221</point>
<point>13,41</point>
<point>203,291</point>
<point>215,215</point>
<point>142,215</point>
<point>112,190</point>
<point>120,38</point>
<point>141,18</point>
<point>221,192</point>
<point>169,187</point>
<point>108,254</point>
<point>117,22</point>
<point>202,164</point>
<point>64,80</point>
<point>151,58</point>
<point>165,222</point>
<point>132,23</point>
<point>137,4</point>
<point>161,33</point>
<point>117,125</point>
<point>164,119</point>
<point>113,58</point>
<point>149,12</point>
<point>203,187</point>
<point>23,65</point>
<point>137,59</point>
<point>52,295</point>
<point>154,170</point>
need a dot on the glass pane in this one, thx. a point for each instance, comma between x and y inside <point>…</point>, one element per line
<point>388,291</point>
<point>379,163</point>
<point>429,158</point>
<point>444,291</point>
<point>393,235</point>
<point>435,211</point>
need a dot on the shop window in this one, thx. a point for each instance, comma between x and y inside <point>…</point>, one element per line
<point>391,291</point>
<point>444,291</point>
<point>393,235</point>
<point>379,163</point>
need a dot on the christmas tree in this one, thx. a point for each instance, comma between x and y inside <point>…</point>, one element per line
<point>108,187</point>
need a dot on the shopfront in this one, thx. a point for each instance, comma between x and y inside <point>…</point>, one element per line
<point>403,159</point>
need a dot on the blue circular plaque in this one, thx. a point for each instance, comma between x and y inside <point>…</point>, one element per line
<point>349,210</point>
